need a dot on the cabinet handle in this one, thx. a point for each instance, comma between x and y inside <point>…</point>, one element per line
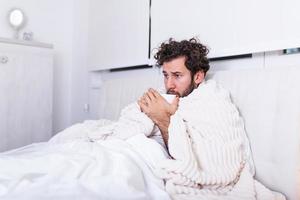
<point>3,59</point>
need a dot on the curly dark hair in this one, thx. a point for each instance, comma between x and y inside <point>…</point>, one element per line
<point>192,49</point>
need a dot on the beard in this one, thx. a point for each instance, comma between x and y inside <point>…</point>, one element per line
<point>186,92</point>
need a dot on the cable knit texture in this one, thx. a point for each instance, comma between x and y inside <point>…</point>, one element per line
<point>212,157</point>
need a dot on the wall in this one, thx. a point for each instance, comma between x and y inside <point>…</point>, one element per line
<point>50,24</point>
<point>229,27</point>
<point>76,90</point>
<point>63,24</point>
<point>80,75</point>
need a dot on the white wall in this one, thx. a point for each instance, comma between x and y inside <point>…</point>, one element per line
<point>52,21</point>
<point>65,24</point>
<point>80,74</point>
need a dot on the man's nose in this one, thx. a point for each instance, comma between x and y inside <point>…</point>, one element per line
<point>170,83</point>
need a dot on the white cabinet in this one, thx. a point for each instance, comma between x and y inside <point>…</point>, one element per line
<point>228,27</point>
<point>25,94</point>
<point>118,33</point>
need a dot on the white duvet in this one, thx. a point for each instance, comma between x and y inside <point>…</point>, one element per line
<point>80,169</point>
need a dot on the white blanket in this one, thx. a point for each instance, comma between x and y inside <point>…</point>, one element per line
<point>79,169</point>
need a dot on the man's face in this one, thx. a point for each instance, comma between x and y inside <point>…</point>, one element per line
<point>178,79</point>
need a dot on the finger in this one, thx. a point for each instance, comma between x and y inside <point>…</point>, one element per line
<point>175,101</point>
<point>143,105</point>
<point>140,104</point>
<point>154,92</point>
<point>141,98</point>
<point>174,105</point>
<point>144,102</point>
<point>147,97</point>
<point>151,94</point>
<point>158,95</point>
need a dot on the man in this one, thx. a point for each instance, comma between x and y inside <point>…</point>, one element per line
<point>204,133</point>
<point>184,65</point>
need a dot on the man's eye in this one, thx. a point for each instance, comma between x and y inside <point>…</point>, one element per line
<point>177,76</point>
<point>166,76</point>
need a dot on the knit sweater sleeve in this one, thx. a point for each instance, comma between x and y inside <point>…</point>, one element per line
<point>132,122</point>
<point>206,140</point>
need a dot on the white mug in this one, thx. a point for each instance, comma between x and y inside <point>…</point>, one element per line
<point>168,97</point>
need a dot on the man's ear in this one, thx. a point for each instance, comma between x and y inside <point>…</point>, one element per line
<point>199,77</point>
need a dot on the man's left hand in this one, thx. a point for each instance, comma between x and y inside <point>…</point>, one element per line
<point>156,107</point>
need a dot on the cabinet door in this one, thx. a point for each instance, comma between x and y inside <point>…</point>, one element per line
<point>36,94</point>
<point>228,27</point>
<point>118,33</point>
<point>7,81</point>
<point>25,97</point>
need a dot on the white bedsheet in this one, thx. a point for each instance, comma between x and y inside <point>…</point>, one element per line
<point>78,169</point>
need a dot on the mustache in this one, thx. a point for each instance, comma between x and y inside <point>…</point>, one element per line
<point>173,92</point>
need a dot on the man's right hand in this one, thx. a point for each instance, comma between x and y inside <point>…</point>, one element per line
<point>156,107</point>
<point>158,110</point>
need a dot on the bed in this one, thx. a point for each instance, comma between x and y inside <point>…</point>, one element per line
<point>268,100</point>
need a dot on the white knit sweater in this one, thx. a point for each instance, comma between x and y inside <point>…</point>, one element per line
<point>212,157</point>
